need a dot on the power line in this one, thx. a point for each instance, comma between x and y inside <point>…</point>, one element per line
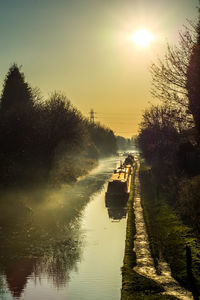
<point>124,131</point>
<point>120,113</point>
<point>92,116</point>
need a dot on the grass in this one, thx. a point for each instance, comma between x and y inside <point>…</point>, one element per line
<point>168,234</point>
<point>134,285</point>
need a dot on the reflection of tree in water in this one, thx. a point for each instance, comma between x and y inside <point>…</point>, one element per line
<point>17,272</point>
<point>24,256</point>
<point>57,265</point>
<point>39,233</point>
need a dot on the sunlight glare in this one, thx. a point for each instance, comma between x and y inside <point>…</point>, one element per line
<point>142,37</point>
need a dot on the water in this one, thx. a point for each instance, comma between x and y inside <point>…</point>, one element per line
<point>62,244</point>
<point>145,265</point>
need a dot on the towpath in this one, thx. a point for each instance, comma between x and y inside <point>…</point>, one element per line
<point>145,265</point>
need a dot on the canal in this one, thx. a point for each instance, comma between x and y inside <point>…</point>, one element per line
<point>62,243</point>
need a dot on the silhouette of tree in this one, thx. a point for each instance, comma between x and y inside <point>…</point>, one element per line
<point>16,96</point>
<point>193,79</point>
<point>16,126</point>
<point>103,139</point>
<point>59,125</point>
<point>159,142</point>
<point>170,134</point>
<point>169,75</point>
<point>158,137</point>
<point>38,136</point>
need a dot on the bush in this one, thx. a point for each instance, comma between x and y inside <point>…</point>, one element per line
<point>189,200</point>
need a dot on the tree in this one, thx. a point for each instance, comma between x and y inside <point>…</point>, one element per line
<point>159,142</point>
<point>193,80</point>
<point>16,125</point>
<point>103,138</point>
<point>169,75</point>
<point>58,127</point>
<point>158,137</point>
<point>39,136</point>
<point>16,96</point>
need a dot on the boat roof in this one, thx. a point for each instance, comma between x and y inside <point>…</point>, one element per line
<point>121,176</point>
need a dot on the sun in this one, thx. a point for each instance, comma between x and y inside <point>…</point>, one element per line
<point>142,37</point>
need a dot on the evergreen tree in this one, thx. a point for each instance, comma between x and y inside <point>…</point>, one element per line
<point>16,95</point>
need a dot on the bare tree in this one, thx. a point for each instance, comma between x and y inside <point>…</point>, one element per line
<point>169,75</point>
<point>159,137</point>
<point>163,116</point>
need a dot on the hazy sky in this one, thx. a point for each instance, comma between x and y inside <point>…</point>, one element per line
<point>83,48</point>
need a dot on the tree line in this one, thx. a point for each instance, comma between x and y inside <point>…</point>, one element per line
<point>46,139</point>
<point>169,136</point>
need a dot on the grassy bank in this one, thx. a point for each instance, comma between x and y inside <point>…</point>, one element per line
<point>168,235</point>
<point>134,285</point>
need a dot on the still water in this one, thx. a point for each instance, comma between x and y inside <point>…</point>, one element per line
<point>62,244</point>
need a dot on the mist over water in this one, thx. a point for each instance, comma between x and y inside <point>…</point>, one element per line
<point>62,243</point>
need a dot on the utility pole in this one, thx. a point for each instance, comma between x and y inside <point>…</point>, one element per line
<point>92,116</point>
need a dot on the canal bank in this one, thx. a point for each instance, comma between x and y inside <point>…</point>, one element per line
<point>134,285</point>
<point>169,236</point>
<point>74,244</point>
<point>140,279</point>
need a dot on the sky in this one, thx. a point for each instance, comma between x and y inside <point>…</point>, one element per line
<point>83,49</point>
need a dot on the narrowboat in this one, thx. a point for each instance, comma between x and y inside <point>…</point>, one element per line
<point>119,186</point>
